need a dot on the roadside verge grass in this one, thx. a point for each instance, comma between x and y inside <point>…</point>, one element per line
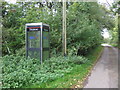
<point>76,77</point>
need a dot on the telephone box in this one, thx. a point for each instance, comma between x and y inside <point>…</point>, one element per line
<point>37,41</point>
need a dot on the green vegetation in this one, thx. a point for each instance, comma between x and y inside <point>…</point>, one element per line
<point>19,72</point>
<point>85,22</point>
<point>76,76</point>
<point>115,32</point>
<point>114,41</point>
<point>55,72</point>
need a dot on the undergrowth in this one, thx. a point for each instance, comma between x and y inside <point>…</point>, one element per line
<point>20,72</point>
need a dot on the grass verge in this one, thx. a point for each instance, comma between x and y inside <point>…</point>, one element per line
<point>115,45</point>
<point>76,77</point>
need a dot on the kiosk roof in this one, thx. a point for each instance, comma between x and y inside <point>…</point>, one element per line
<point>28,24</point>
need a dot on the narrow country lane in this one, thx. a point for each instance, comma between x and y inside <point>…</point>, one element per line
<point>105,72</point>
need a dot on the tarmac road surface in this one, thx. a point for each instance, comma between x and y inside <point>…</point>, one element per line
<point>105,72</point>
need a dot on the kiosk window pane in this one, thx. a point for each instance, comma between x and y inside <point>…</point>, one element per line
<point>45,39</point>
<point>34,39</point>
<point>45,55</point>
<point>34,54</point>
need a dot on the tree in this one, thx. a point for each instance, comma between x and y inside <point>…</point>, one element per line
<point>85,22</point>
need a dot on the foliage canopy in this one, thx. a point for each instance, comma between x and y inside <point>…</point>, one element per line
<point>85,22</point>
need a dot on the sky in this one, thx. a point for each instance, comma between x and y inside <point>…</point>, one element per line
<point>105,33</point>
<point>105,1</point>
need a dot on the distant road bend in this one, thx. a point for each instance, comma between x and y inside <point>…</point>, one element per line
<point>105,72</point>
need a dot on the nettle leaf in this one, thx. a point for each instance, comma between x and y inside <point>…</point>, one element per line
<point>27,72</point>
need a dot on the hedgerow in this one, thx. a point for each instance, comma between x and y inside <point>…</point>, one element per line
<point>84,23</point>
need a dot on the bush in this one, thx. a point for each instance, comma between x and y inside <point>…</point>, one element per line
<point>84,24</point>
<point>20,72</point>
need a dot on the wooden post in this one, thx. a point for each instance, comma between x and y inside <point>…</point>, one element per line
<point>64,28</point>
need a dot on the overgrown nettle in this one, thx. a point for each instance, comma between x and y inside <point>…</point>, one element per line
<point>17,71</point>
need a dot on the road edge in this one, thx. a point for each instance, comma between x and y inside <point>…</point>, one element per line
<point>90,71</point>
